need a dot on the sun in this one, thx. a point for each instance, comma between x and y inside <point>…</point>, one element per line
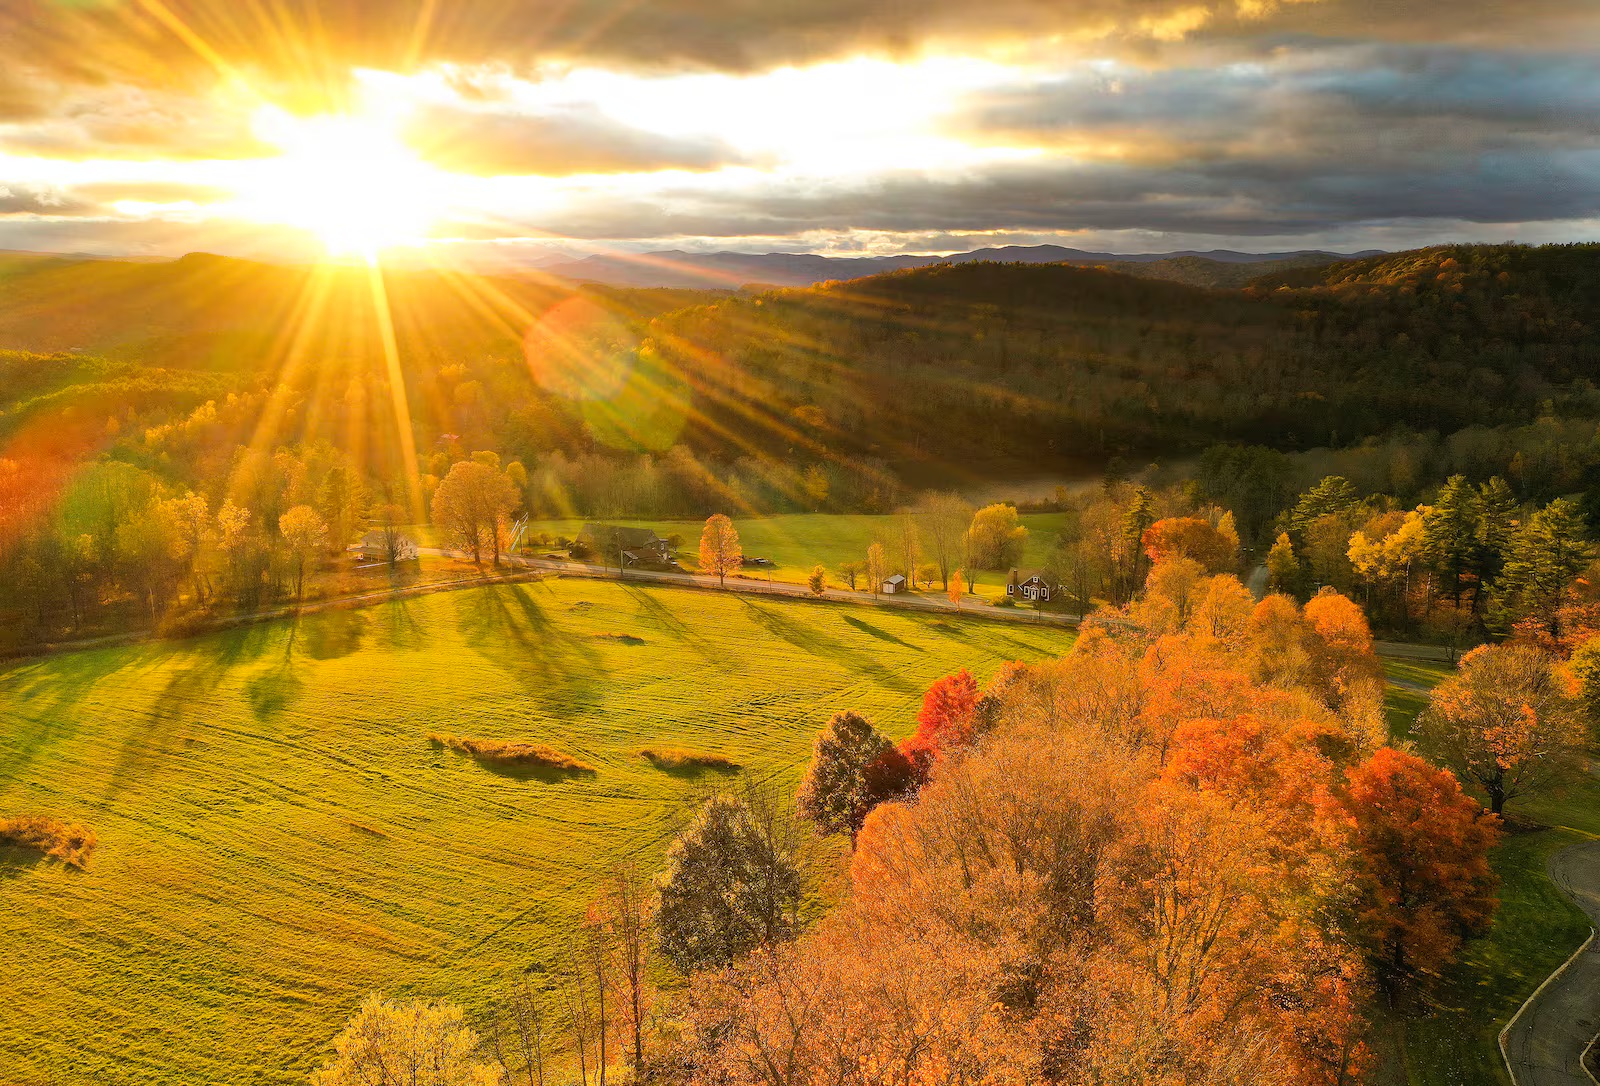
<point>347,178</point>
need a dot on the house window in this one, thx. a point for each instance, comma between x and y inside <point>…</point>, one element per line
<point>1044,593</point>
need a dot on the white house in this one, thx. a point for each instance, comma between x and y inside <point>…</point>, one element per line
<point>894,584</point>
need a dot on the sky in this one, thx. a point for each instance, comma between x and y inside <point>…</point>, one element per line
<point>490,130</point>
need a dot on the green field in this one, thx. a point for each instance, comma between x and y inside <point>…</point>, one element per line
<point>1535,929</point>
<point>798,541</point>
<point>277,838</point>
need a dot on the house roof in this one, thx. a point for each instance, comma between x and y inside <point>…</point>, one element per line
<point>613,535</point>
<point>896,579</point>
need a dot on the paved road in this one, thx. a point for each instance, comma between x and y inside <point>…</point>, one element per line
<point>1544,1044</point>
<point>755,584</point>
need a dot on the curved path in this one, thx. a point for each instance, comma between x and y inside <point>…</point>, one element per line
<point>1544,1043</point>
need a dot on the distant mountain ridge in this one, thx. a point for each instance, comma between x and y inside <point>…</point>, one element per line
<point>676,268</point>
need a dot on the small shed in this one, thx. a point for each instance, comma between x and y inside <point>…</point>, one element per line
<point>894,584</point>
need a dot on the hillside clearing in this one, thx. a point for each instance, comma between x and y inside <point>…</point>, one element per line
<point>277,837</point>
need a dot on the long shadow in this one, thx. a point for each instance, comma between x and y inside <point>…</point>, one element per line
<point>208,662</point>
<point>812,640</point>
<point>882,635</point>
<point>561,670</point>
<point>401,630</point>
<point>337,633</point>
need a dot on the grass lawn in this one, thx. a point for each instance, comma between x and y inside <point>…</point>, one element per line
<point>798,541</point>
<point>1534,931</point>
<point>278,838</point>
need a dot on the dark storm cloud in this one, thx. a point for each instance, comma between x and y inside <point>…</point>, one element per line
<point>572,140</point>
<point>1313,93</point>
<point>1244,197</point>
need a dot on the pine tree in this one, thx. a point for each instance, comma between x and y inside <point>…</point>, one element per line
<point>1497,521</point>
<point>1545,555</point>
<point>1334,494</point>
<point>1450,532</point>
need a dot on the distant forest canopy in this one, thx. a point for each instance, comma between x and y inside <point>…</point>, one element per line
<point>658,402</point>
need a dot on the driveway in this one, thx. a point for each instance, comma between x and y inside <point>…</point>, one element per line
<point>1544,1043</point>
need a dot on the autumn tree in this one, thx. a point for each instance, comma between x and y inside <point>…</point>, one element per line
<point>945,518</point>
<point>415,1043</point>
<point>719,548</point>
<point>305,535</point>
<point>818,581</point>
<point>1283,567</point>
<point>849,571</point>
<point>1194,538</point>
<point>1507,721</point>
<point>623,912</point>
<point>731,883</point>
<point>520,1031</point>
<point>876,567</point>
<point>1422,859</point>
<point>470,506</point>
<point>947,721</point>
<point>995,538</point>
<point>389,519</point>
<point>956,589</point>
<point>853,769</point>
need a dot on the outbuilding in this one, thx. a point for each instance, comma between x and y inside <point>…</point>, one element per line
<point>894,584</point>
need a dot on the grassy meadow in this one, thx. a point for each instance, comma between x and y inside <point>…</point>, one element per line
<point>797,541</point>
<point>277,836</point>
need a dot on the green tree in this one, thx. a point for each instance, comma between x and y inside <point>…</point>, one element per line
<point>1333,494</point>
<point>853,768</point>
<point>731,883</point>
<point>1450,532</point>
<point>1544,557</point>
<point>1497,523</point>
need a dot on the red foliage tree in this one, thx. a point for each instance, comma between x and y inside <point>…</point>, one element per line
<point>947,721</point>
<point>1422,856</point>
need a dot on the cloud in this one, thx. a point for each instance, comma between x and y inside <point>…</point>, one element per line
<point>39,200</point>
<point>576,139</point>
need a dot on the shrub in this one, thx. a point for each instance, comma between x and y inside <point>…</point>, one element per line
<point>68,842</point>
<point>511,752</point>
<point>681,758</point>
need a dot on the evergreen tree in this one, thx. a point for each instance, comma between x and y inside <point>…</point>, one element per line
<point>1450,532</point>
<point>1334,494</point>
<point>1497,521</point>
<point>1545,555</point>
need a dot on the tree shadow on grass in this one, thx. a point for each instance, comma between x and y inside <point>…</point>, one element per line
<point>198,668</point>
<point>400,628</point>
<point>506,625</point>
<point>812,640</point>
<point>333,634</point>
<point>882,635</point>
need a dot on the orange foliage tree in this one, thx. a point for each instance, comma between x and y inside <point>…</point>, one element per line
<point>1508,721</point>
<point>1194,538</point>
<point>1422,862</point>
<point>720,552</point>
<point>1147,871</point>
